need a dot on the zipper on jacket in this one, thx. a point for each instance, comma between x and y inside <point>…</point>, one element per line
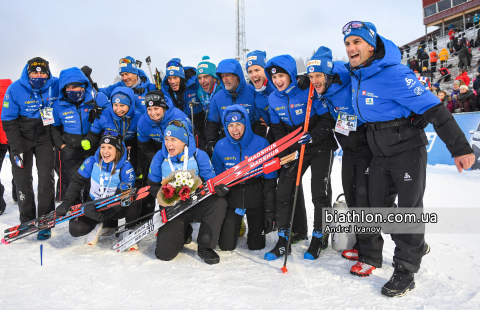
<point>80,116</point>
<point>288,109</point>
<point>358,90</point>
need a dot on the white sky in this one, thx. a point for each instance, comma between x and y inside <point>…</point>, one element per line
<point>99,33</point>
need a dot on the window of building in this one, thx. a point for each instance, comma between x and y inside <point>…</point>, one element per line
<point>430,10</point>
<point>457,2</point>
<point>444,5</point>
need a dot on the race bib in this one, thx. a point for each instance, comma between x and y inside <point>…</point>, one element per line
<point>346,123</point>
<point>47,116</point>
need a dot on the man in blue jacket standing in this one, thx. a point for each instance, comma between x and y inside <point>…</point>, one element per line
<point>26,117</point>
<point>235,91</point>
<point>134,78</point>
<point>384,95</point>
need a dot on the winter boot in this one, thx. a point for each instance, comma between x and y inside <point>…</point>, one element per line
<point>188,234</point>
<point>400,283</point>
<point>107,231</point>
<point>296,237</point>
<point>325,241</point>
<point>350,254</point>
<point>3,205</point>
<point>243,228</point>
<point>44,234</point>
<point>280,247</point>
<point>315,247</point>
<point>209,256</point>
<point>361,269</point>
<point>92,237</point>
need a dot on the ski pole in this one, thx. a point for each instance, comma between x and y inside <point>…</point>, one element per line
<point>299,174</point>
<point>148,61</point>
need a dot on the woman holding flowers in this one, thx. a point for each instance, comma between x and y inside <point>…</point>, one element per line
<point>179,164</point>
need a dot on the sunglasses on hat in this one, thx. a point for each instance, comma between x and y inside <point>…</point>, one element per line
<point>110,133</point>
<point>353,25</point>
<point>174,64</point>
<point>234,117</point>
<point>176,123</point>
<point>153,97</point>
<point>126,61</point>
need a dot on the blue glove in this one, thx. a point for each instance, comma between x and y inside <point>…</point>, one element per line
<point>305,138</point>
<point>19,160</point>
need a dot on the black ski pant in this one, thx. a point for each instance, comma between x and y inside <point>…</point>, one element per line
<point>321,167</point>
<point>209,212</point>
<point>45,158</point>
<point>83,225</point>
<point>231,227</point>
<point>433,67</point>
<point>3,151</point>
<point>403,173</point>
<point>68,167</point>
<point>355,172</point>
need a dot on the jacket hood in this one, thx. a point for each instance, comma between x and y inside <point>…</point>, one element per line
<point>120,163</point>
<point>73,75</point>
<point>232,66</point>
<point>128,92</point>
<point>25,80</point>
<point>248,135</point>
<point>192,80</point>
<point>192,148</point>
<point>392,57</point>
<point>288,63</point>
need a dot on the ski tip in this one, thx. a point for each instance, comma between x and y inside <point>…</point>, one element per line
<point>5,241</point>
<point>284,269</point>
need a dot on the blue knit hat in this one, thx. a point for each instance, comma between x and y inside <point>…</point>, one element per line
<point>175,68</point>
<point>121,98</point>
<point>131,67</point>
<point>206,66</point>
<point>321,61</point>
<point>367,32</point>
<point>234,117</point>
<point>177,132</point>
<point>256,58</point>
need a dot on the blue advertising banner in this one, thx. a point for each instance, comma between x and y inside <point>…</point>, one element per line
<point>438,152</point>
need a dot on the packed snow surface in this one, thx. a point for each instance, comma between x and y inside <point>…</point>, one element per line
<point>77,276</point>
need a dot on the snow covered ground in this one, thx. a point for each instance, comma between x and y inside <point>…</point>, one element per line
<point>77,276</point>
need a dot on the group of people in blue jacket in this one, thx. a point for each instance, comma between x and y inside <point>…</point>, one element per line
<point>209,118</point>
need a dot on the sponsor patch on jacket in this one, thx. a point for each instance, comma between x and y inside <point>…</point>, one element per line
<point>6,104</point>
<point>369,101</point>
<point>299,111</point>
<point>82,167</point>
<point>129,170</point>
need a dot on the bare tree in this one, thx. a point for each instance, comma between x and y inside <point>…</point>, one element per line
<point>117,79</point>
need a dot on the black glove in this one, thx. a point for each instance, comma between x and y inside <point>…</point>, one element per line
<point>419,121</point>
<point>94,114</point>
<point>210,147</point>
<point>63,208</point>
<point>268,221</point>
<point>87,71</point>
<point>93,214</point>
<point>221,189</point>
<point>303,81</point>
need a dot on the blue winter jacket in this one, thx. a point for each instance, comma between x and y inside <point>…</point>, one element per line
<point>21,112</point>
<point>261,103</point>
<point>229,152</point>
<point>387,90</point>
<point>200,161</point>
<point>288,110</point>
<point>102,182</point>
<point>148,130</point>
<point>205,98</point>
<point>144,85</point>
<point>189,94</point>
<point>110,121</point>
<point>72,121</point>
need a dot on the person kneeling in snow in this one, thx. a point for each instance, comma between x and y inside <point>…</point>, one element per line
<point>256,196</point>
<point>109,173</point>
<point>180,153</point>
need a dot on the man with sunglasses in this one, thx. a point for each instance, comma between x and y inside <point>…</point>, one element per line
<point>181,85</point>
<point>384,95</point>
<point>134,78</point>
<point>26,119</point>
<point>235,91</point>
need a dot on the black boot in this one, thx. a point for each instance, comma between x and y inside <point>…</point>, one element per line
<point>316,246</point>
<point>209,256</point>
<point>3,205</point>
<point>325,241</point>
<point>280,247</point>
<point>188,234</point>
<point>400,283</point>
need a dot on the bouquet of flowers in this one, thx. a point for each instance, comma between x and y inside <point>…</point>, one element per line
<point>177,185</point>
